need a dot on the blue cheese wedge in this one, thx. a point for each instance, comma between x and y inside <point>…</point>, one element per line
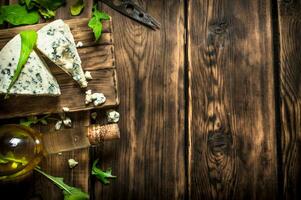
<point>56,42</point>
<point>35,77</point>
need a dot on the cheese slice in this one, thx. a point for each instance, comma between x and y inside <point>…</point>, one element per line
<point>56,41</point>
<point>35,77</point>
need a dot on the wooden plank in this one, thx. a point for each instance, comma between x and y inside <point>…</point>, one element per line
<point>103,81</point>
<point>232,141</point>
<point>290,73</point>
<point>80,30</point>
<point>99,58</point>
<point>149,157</point>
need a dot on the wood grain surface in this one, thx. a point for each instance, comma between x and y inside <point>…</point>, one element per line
<point>290,73</point>
<point>202,100</point>
<point>149,157</point>
<point>232,149</point>
<point>98,58</point>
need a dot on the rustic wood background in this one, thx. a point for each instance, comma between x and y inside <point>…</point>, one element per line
<point>210,106</point>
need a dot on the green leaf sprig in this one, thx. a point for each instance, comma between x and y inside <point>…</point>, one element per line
<point>34,120</point>
<point>16,14</point>
<point>101,175</point>
<point>95,22</point>
<point>45,7</point>
<point>28,42</point>
<point>77,8</point>
<point>70,193</point>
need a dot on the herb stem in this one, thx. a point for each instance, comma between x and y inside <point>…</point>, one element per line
<point>53,180</point>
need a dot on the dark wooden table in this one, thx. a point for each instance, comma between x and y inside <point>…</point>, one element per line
<point>210,105</point>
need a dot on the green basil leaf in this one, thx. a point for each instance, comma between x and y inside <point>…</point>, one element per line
<point>77,8</point>
<point>96,26</point>
<point>18,15</point>
<point>28,42</point>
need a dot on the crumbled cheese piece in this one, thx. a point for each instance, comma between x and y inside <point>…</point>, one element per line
<point>94,115</point>
<point>72,163</point>
<point>66,109</point>
<point>58,125</point>
<point>84,84</point>
<point>88,75</point>
<point>67,122</point>
<point>89,92</point>
<point>88,96</point>
<point>79,44</point>
<point>76,77</point>
<point>113,116</point>
<point>98,98</point>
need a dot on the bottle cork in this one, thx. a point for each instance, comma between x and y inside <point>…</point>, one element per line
<point>99,133</point>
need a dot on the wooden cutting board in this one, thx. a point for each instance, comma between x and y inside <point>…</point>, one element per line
<point>98,58</point>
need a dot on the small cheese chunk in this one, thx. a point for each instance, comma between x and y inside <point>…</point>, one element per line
<point>72,163</point>
<point>88,96</point>
<point>98,98</point>
<point>112,116</point>
<point>58,125</point>
<point>66,109</point>
<point>88,75</point>
<point>79,44</point>
<point>67,122</point>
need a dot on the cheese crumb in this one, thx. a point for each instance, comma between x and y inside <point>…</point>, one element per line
<point>72,163</point>
<point>94,115</point>
<point>98,98</point>
<point>67,122</point>
<point>88,96</point>
<point>76,77</point>
<point>79,44</point>
<point>113,116</point>
<point>88,75</point>
<point>84,84</point>
<point>58,125</point>
<point>66,109</point>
